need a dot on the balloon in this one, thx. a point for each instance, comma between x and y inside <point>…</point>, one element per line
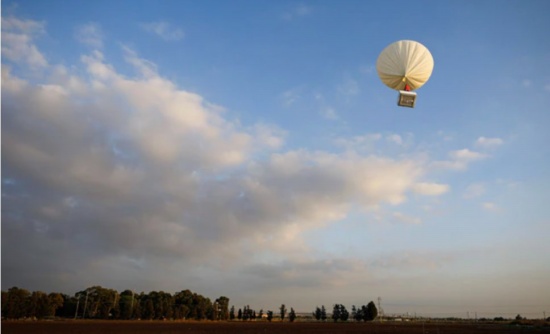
<point>405,63</point>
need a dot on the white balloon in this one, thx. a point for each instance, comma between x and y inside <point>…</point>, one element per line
<point>405,63</point>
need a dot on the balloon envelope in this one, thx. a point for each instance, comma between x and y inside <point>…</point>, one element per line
<point>405,63</point>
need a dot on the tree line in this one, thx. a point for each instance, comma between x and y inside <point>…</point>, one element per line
<point>367,312</point>
<point>246,313</point>
<point>97,302</point>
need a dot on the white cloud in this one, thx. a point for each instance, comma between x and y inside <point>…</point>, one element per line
<point>402,218</point>
<point>326,111</point>
<point>547,88</point>
<point>474,190</point>
<point>269,136</point>
<point>164,30</point>
<point>412,260</point>
<point>466,155</point>
<point>430,189</point>
<point>17,42</point>
<point>138,158</point>
<point>445,136</point>
<point>138,176</point>
<point>290,96</point>
<point>365,142</point>
<point>459,159</point>
<point>329,113</point>
<point>348,87</point>
<point>23,26</point>
<point>90,35</point>
<point>490,206</point>
<point>485,142</point>
<point>367,69</point>
<point>395,138</point>
<point>298,11</point>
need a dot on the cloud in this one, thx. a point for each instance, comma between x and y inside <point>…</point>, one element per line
<point>547,88</point>
<point>488,143</point>
<point>395,138</point>
<point>348,87</point>
<point>412,260</point>
<point>90,35</point>
<point>17,42</point>
<point>361,143</point>
<point>367,69</point>
<point>329,113</point>
<point>402,218</point>
<point>466,155</point>
<point>269,136</point>
<point>459,159</point>
<point>430,189</point>
<point>326,111</point>
<point>490,206</point>
<point>164,30</point>
<point>290,96</point>
<point>134,171</point>
<point>297,11</point>
<point>474,190</point>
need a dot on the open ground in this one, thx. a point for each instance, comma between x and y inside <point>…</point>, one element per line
<point>195,327</point>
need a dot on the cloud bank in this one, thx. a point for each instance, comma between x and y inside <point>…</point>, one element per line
<point>108,177</point>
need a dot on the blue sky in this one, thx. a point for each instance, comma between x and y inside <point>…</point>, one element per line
<point>249,149</point>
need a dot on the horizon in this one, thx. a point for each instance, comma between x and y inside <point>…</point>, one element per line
<point>250,150</point>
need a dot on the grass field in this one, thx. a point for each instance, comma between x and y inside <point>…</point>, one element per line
<point>207,327</point>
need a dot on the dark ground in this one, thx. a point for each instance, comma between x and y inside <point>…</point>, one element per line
<point>207,327</point>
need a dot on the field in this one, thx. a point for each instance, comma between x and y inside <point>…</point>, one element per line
<point>189,327</point>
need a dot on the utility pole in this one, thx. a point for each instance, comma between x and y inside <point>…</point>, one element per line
<point>114,304</point>
<point>85,305</point>
<point>77,302</point>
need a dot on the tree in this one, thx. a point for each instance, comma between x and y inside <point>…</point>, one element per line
<point>98,302</point>
<point>55,301</point>
<point>39,305</point>
<point>269,315</point>
<point>336,312</point>
<point>223,307</point>
<point>148,308</point>
<point>232,313</point>
<point>344,314</point>
<point>183,303</point>
<point>282,310</point>
<point>292,315</point>
<point>323,313</point>
<point>126,304</point>
<point>16,303</point>
<point>339,312</point>
<point>261,313</point>
<point>240,314</point>
<point>136,314</point>
<point>372,311</point>
<point>317,313</point>
<point>203,307</point>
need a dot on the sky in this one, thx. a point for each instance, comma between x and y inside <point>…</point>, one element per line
<point>249,149</point>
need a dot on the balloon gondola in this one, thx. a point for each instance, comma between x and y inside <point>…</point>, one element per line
<point>405,66</point>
